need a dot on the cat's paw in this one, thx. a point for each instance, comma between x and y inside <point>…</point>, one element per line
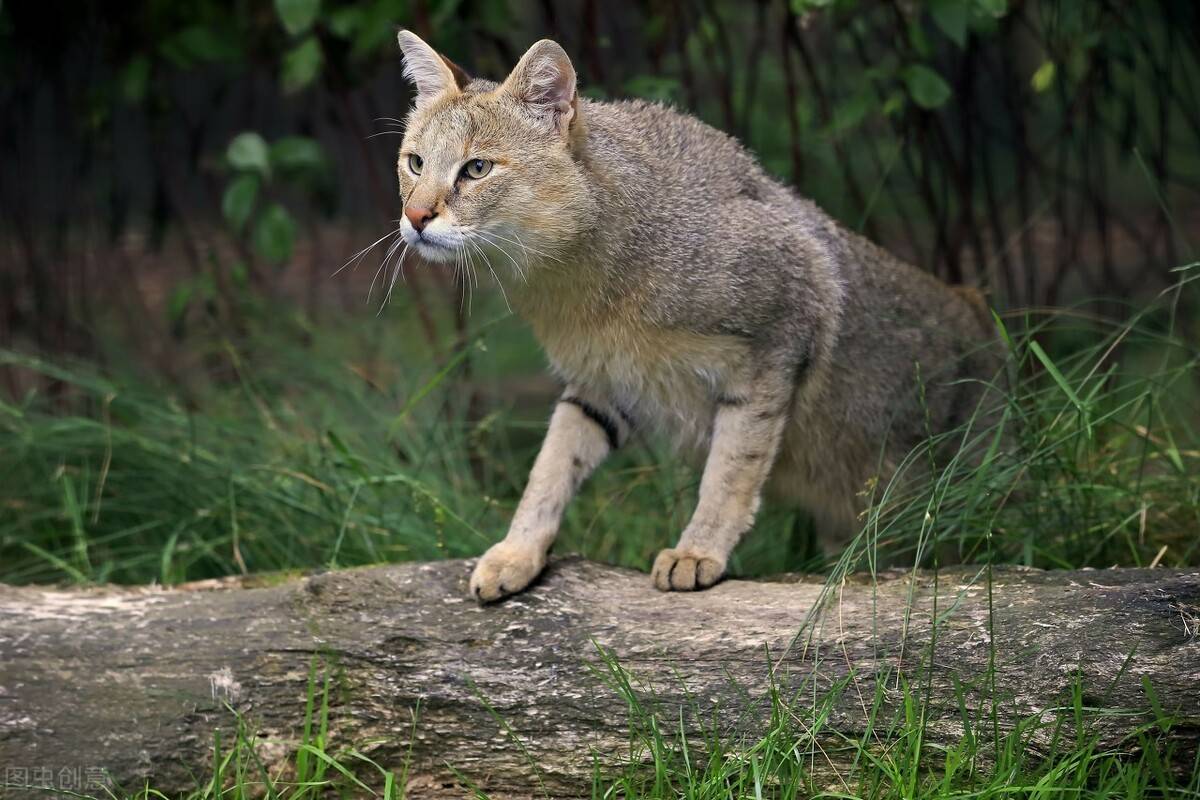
<point>506,568</point>
<point>682,570</point>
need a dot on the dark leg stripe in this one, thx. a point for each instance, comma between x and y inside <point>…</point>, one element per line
<point>599,417</point>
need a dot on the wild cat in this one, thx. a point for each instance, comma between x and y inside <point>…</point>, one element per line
<point>677,288</point>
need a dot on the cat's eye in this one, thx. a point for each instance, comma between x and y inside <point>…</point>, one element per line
<point>476,168</point>
<point>415,163</point>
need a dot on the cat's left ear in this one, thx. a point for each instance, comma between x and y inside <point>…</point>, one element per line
<point>544,81</point>
<point>432,73</point>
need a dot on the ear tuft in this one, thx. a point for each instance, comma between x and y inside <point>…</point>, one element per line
<point>461,78</point>
<point>428,71</point>
<point>544,81</point>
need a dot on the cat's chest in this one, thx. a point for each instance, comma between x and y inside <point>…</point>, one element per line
<point>663,377</point>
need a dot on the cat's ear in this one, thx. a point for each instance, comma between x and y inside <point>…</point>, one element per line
<point>544,81</point>
<point>431,72</point>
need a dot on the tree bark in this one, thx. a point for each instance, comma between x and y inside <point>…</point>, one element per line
<point>516,696</point>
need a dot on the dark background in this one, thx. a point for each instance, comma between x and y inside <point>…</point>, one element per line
<point>1048,151</point>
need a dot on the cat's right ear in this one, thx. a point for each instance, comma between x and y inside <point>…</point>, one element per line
<point>432,73</point>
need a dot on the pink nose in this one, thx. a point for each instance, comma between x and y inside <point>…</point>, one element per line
<point>419,217</point>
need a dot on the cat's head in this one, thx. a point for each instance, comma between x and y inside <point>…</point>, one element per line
<point>492,165</point>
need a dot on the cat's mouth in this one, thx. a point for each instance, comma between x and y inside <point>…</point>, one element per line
<point>432,250</point>
<point>433,245</point>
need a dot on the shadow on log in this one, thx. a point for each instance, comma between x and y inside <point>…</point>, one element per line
<point>136,680</point>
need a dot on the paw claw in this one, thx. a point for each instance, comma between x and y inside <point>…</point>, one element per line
<point>678,570</point>
<point>505,569</point>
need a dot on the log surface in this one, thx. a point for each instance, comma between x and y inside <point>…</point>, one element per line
<point>136,680</point>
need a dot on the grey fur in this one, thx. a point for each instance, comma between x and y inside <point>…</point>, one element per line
<point>677,286</point>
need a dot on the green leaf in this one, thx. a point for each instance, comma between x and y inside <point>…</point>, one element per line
<point>653,87</point>
<point>1043,78</point>
<point>297,15</point>
<point>927,88</point>
<point>274,234</point>
<point>894,103</point>
<point>448,12</point>
<point>293,154</point>
<point>248,151</point>
<point>238,200</point>
<point>951,17</point>
<point>918,39</point>
<point>849,113</point>
<point>1162,719</point>
<point>345,21</point>
<point>301,65</point>
<point>1004,334</point>
<point>374,29</point>
<point>240,274</point>
<point>198,43</point>
<point>1172,451</point>
<point>135,78</point>
<point>801,7</point>
<point>994,8</point>
<point>177,304</point>
<point>1063,385</point>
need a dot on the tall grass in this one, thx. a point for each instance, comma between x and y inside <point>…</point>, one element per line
<point>304,456</point>
<point>299,456</point>
<point>1084,452</point>
<point>1053,754</point>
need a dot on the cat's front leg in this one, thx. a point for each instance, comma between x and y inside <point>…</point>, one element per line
<point>747,430</point>
<point>583,430</point>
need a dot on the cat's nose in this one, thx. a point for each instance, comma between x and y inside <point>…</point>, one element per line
<point>419,217</point>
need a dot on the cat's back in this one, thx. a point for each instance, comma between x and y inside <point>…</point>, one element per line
<point>657,149</point>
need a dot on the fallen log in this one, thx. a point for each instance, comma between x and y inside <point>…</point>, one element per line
<point>134,681</point>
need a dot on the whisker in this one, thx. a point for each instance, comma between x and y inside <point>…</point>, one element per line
<point>378,270</point>
<point>494,240</point>
<point>468,288</point>
<point>460,280</point>
<point>474,278</point>
<point>471,266</point>
<point>526,248</point>
<point>362,253</point>
<point>521,243</point>
<point>523,246</point>
<point>395,273</point>
<point>498,246</point>
<point>383,264</point>
<point>495,277</point>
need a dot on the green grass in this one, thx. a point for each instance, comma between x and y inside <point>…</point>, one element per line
<point>890,759</point>
<point>1055,754</point>
<point>359,447</point>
